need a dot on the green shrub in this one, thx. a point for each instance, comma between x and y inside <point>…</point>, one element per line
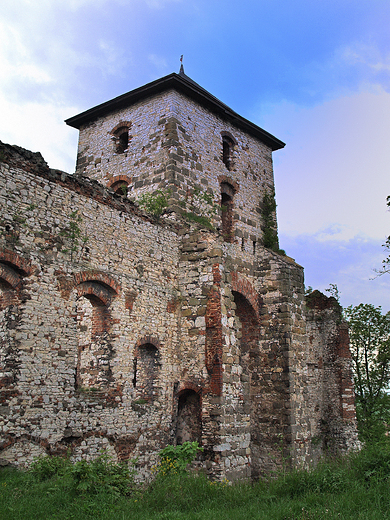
<point>175,459</point>
<point>47,467</point>
<point>372,463</point>
<point>101,475</point>
<point>154,203</point>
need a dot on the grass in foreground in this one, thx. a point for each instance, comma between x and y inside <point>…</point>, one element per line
<point>356,487</point>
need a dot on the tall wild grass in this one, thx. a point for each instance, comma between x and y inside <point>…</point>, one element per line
<point>355,487</point>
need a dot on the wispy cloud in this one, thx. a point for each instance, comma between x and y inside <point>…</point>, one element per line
<point>366,54</point>
<point>349,264</point>
<point>16,60</point>
<point>159,62</point>
<point>336,163</point>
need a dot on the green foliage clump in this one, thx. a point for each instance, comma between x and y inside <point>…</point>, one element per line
<point>200,219</point>
<point>268,207</point>
<point>100,475</point>
<point>372,464</point>
<point>270,237</point>
<point>386,262</point>
<point>175,459</point>
<point>154,203</point>
<point>202,206</point>
<point>333,290</point>
<point>45,468</point>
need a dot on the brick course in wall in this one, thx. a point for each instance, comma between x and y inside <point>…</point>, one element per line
<point>137,330</point>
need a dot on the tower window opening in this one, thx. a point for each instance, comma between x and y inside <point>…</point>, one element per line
<point>227,151</point>
<point>122,139</point>
<point>227,193</point>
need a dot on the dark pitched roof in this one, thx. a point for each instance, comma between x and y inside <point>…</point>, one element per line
<point>182,83</point>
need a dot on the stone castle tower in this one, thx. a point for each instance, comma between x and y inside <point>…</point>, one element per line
<point>130,327</point>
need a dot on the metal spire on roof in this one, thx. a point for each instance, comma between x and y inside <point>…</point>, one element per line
<point>181,71</point>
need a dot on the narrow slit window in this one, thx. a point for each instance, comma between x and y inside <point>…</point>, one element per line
<point>227,151</point>
<point>227,194</point>
<point>135,373</point>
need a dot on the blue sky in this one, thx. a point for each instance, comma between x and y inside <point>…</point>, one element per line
<point>316,74</point>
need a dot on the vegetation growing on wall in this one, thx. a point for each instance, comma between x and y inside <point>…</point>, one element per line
<point>200,204</point>
<point>175,459</point>
<point>202,208</point>
<point>73,235</point>
<point>270,236</point>
<point>154,203</point>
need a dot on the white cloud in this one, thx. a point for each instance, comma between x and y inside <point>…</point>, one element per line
<point>40,127</point>
<point>16,62</point>
<point>349,264</point>
<point>112,60</point>
<point>333,176</point>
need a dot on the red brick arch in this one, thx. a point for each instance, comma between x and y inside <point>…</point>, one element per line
<point>9,276</point>
<point>121,124</point>
<point>119,178</point>
<point>225,179</point>
<point>243,286</point>
<point>145,340</point>
<point>97,290</point>
<point>184,386</point>
<point>98,276</point>
<point>14,260</point>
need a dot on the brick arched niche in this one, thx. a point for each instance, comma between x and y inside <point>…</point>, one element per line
<point>146,369</point>
<point>93,316</point>
<point>189,417</point>
<point>13,270</point>
<point>120,184</point>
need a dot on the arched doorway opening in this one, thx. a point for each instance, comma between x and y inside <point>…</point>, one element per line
<point>189,421</point>
<point>250,361</point>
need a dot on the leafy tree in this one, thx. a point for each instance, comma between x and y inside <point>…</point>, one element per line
<point>386,262</point>
<point>369,332</point>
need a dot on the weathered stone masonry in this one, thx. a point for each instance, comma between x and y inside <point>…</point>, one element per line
<point>123,331</point>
